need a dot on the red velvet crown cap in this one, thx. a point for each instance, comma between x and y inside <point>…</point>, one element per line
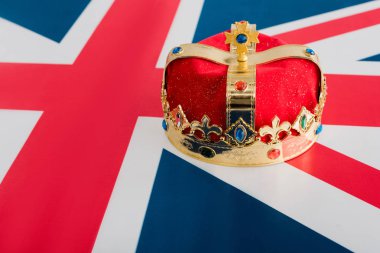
<point>282,87</point>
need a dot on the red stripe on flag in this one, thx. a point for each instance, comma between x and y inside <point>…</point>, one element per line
<point>352,100</point>
<point>343,172</point>
<point>332,28</point>
<point>54,196</point>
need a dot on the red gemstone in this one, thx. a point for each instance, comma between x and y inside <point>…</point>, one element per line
<point>274,153</point>
<point>240,85</point>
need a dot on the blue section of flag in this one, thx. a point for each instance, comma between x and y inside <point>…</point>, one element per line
<point>372,58</point>
<point>50,18</point>
<point>218,14</point>
<point>192,211</point>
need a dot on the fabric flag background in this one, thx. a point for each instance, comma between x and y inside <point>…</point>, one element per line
<point>85,165</point>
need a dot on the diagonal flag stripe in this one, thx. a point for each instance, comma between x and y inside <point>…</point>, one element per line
<point>352,100</point>
<point>343,172</point>
<point>332,28</point>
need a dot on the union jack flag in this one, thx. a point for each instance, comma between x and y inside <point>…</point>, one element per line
<point>85,165</point>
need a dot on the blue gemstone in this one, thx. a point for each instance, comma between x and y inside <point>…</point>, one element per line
<point>310,51</point>
<point>177,50</point>
<point>240,134</point>
<point>241,38</point>
<point>165,125</point>
<point>319,129</point>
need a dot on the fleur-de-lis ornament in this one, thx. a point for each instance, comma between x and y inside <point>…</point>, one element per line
<point>275,130</point>
<point>205,128</point>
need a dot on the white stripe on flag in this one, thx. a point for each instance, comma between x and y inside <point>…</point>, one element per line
<point>21,45</point>
<point>363,147</point>
<point>321,18</point>
<point>15,127</point>
<point>183,27</point>
<point>341,54</point>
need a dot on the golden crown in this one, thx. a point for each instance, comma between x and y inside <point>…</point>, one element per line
<point>239,144</point>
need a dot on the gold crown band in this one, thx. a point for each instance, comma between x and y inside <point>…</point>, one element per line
<point>196,50</point>
<point>252,150</point>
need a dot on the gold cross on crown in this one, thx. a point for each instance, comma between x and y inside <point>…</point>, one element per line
<point>242,37</point>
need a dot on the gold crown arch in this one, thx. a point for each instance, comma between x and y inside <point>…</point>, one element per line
<point>240,144</point>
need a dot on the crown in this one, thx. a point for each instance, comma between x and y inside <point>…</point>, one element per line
<point>227,103</point>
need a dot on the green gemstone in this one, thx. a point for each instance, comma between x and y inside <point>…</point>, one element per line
<point>303,122</point>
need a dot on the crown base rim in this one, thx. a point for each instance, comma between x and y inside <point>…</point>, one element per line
<point>223,160</point>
